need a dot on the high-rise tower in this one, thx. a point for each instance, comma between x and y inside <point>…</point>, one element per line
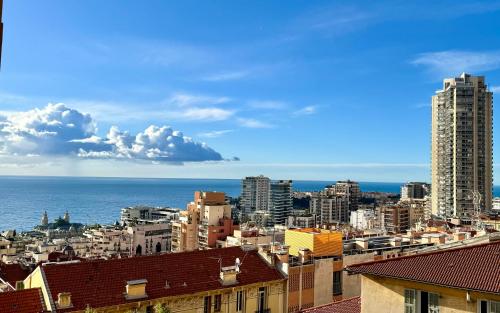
<point>461,161</point>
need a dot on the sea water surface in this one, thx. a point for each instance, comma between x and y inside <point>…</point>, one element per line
<point>99,200</point>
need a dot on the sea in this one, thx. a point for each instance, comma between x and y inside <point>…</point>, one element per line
<point>89,200</point>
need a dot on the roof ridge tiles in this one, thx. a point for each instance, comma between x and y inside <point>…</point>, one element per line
<point>444,250</point>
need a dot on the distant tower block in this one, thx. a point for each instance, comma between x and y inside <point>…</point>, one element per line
<point>45,219</point>
<point>66,217</point>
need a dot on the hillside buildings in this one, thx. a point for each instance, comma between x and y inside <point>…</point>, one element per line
<point>462,160</point>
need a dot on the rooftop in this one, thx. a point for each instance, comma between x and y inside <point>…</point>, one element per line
<point>472,268</point>
<point>13,273</point>
<point>351,305</point>
<point>102,283</point>
<point>22,301</point>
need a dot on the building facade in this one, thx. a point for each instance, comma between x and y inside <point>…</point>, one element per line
<point>255,193</point>
<point>314,267</point>
<point>206,220</point>
<point>461,159</point>
<point>280,204</point>
<point>414,190</point>
<point>395,219</point>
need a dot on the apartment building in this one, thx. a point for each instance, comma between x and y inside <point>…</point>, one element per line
<point>228,280</point>
<point>349,189</point>
<point>330,209</point>
<point>334,204</point>
<point>255,193</point>
<point>313,259</point>
<point>414,190</point>
<point>280,204</point>
<point>206,221</point>
<point>216,222</point>
<point>147,214</point>
<point>462,159</point>
<point>395,219</point>
<point>363,219</point>
<point>453,280</point>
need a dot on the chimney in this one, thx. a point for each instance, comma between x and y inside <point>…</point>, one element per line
<point>275,247</point>
<point>361,243</point>
<point>395,242</point>
<point>228,275</point>
<point>64,300</point>
<point>304,255</point>
<point>136,289</point>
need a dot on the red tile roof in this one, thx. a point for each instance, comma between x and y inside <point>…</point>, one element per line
<point>22,301</point>
<point>351,305</point>
<point>102,283</point>
<point>474,268</point>
<point>12,273</point>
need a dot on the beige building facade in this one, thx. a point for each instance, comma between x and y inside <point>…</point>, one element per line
<point>461,158</point>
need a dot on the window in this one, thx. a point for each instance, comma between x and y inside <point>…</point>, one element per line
<point>337,283</point>
<point>239,301</point>
<point>433,303</point>
<point>261,304</point>
<point>217,303</point>
<point>485,306</point>
<point>410,301</point>
<point>206,304</point>
<point>494,307</point>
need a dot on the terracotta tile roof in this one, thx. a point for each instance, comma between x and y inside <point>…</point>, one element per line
<point>474,268</point>
<point>351,305</point>
<point>102,282</point>
<point>22,301</point>
<point>13,273</point>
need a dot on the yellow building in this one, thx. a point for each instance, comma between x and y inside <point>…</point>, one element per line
<point>314,267</point>
<point>455,280</point>
<point>321,242</point>
<point>229,280</point>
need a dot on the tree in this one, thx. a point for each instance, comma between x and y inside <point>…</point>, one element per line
<point>160,308</point>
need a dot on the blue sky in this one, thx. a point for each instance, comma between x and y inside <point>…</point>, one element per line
<point>306,90</point>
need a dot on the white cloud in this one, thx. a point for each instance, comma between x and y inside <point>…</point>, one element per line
<point>186,99</point>
<point>211,114</point>
<point>495,89</point>
<point>307,110</point>
<point>253,123</point>
<point>454,62</point>
<point>267,104</point>
<point>59,130</point>
<point>215,133</point>
<point>225,76</point>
